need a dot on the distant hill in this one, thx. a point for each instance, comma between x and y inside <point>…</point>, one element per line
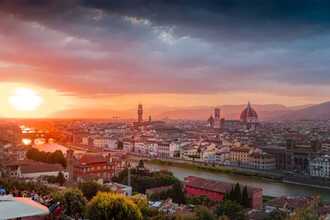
<point>314,112</point>
<point>265,112</point>
<point>227,111</point>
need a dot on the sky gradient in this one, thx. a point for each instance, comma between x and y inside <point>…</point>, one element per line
<point>114,54</point>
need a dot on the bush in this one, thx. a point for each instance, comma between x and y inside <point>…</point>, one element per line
<point>231,209</point>
<point>203,213</point>
<point>12,185</point>
<point>112,206</point>
<point>74,203</point>
<point>89,189</point>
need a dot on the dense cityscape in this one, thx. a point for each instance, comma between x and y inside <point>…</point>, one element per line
<point>180,169</point>
<point>164,110</point>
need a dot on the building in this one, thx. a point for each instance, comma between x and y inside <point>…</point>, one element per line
<point>140,113</point>
<point>217,121</point>
<point>223,156</point>
<point>279,153</point>
<point>291,204</point>
<point>216,190</point>
<point>249,117</point>
<point>300,155</point>
<point>320,166</point>
<point>240,156</point>
<point>33,170</point>
<point>167,149</point>
<point>21,208</point>
<point>119,188</point>
<point>261,160</point>
<point>211,121</point>
<point>96,166</point>
<point>105,142</point>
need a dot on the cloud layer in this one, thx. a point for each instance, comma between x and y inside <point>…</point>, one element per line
<point>105,47</point>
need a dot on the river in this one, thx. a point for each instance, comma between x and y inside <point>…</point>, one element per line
<point>270,188</point>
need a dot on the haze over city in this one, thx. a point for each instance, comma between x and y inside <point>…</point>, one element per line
<point>104,57</point>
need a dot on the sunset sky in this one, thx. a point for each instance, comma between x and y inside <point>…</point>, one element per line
<point>111,54</point>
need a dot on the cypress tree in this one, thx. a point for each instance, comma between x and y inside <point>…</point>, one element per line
<point>231,194</point>
<point>237,193</point>
<point>245,198</point>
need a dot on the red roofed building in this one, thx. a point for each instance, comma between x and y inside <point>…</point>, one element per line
<point>249,117</point>
<point>96,166</point>
<point>216,190</point>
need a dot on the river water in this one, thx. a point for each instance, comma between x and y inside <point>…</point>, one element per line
<point>270,188</point>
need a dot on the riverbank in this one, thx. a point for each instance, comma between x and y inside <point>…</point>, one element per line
<point>217,169</point>
<point>271,188</point>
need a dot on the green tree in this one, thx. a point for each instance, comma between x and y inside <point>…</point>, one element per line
<point>203,213</point>
<point>237,193</point>
<point>277,215</point>
<point>46,157</point>
<point>142,203</point>
<point>58,196</point>
<point>231,209</point>
<point>231,194</point>
<point>60,179</point>
<point>245,198</point>
<point>112,206</point>
<point>74,203</point>
<point>305,214</point>
<point>89,189</point>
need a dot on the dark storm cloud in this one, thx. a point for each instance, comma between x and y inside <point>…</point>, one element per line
<point>253,19</point>
<point>258,19</point>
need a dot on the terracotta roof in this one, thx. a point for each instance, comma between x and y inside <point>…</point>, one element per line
<point>37,167</point>
<point>92,158</point>
<point>13,163</point>
<point>248,112</point>
<point>212,185</point>
<point>241,149</point>
<point>290,202</point>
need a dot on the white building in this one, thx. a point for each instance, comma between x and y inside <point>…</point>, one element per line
<point>34,170</point>
<point>140,148</point>
<point>239,156</point>
<point>223,156</point>
<point>105,142</point>
<point>209,154</point>
<point>167,149</point>
<point>320,166</point>
<point>260,160</point>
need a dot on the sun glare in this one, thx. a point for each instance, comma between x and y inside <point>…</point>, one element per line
<point>25,99</point>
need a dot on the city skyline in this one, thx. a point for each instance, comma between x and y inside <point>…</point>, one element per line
<point>108,55</point>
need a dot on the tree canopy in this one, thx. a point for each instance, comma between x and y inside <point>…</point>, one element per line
<point>74,202</point>
<point>231,209</point>
<point>112,206</point>
<point>46,157</point>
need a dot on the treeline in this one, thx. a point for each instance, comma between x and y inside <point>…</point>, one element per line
<point>238,195</point>
<point>142,179</point>
<point>56,157</point>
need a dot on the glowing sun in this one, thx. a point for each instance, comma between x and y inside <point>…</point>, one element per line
<point>25,99</point>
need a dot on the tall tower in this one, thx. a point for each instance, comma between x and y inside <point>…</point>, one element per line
<point>217,118</point>
<point>217,114</point>
<point>140,113</point>
<point>70,161</point>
